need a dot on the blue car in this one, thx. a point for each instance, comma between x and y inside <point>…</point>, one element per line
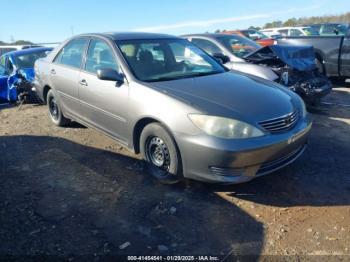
<point>17,73</point>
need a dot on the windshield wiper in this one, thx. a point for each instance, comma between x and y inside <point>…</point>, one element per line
<point>168,78</point>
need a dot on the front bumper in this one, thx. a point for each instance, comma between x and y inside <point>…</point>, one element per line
<point>218,160</point>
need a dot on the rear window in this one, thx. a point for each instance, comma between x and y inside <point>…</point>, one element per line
<point>28,60</point>
<point>72,53</point>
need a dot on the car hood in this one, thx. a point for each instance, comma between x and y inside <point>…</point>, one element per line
<point>256,70</point>
<point>234,95</point>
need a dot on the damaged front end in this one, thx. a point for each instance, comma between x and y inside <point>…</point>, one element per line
<point>20,86</point>
<point>296,68</point>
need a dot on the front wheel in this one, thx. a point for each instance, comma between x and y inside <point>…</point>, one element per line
<point>160,153</point>
<point>55,111</point>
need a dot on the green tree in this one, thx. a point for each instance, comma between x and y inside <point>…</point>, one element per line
<point>273,24</point>
<point>22,42</point>
<point>254,28</point>
<point>291,22</point>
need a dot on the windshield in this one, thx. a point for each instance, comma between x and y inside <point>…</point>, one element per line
<point>237,45</point>
<point>28,60</point>
<point>167,59</point>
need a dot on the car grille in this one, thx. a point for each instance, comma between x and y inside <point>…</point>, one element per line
<point>282,123</point>
<point>222,171</point>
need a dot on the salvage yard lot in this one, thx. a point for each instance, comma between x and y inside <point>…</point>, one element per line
<point>71,191</point>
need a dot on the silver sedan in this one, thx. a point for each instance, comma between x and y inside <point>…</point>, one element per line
<point>163,97</point>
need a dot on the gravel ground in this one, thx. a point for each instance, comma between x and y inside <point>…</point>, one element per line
<point>72,192</point>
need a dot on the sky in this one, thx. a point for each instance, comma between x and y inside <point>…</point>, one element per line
<point>43,21</point>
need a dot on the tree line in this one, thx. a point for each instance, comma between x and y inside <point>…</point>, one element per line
<point>343,18</point>
<point>18,42</point>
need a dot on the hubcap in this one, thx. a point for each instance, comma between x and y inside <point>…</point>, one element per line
<point>53,108</point>
<point>158,153</point>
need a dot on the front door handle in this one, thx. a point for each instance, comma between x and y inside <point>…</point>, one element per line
<point>83,82</point>
<point>53,72</point>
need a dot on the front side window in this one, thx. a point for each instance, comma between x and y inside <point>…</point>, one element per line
<point>72,53</point>
<point>99,56</point>
<point>283,32</point>
<point>167,59</point>
<point>207,46</point>
<point>295,32</point>
<point>237,45</point>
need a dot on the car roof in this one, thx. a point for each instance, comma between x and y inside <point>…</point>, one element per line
<point>116,36</point>
<point>209,35</point>
<point>28,51</point>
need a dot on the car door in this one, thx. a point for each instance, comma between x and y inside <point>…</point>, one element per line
<point>64,75</point>
<point>103,103</point>
<point>345,56</point>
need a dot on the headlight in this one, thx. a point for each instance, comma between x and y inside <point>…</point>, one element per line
<point>224,127</point>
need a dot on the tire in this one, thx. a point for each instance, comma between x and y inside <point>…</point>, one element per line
<point>55,111</point>
<point>160,153</point>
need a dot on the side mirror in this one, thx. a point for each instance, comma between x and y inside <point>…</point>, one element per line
<point>336,31</point>
<point>221,58</point>
<point>109,74</point>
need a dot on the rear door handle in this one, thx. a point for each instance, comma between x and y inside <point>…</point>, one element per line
<point>53,72</point>
<point>83,82</point>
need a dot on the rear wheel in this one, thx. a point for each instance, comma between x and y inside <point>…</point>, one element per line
<point>55,111</point>
<point>160,153</point>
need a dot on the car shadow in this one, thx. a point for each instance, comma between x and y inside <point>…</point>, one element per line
<point>336,105</point>
<point>63,198</point>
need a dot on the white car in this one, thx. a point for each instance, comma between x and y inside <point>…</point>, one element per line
<point>290,31</point>
<point>8,48</point>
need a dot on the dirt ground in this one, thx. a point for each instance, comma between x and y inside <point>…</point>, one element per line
<point>71,192</point>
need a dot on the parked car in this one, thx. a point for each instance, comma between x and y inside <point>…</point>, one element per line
<point>329,29</point>
<point>275,63</point>
<point>8,48</point>
<point>291,31</point>
<point>165,98</point>
<point>332,52</point>
<point>254,35</point>
<point>17,73</point>
<point>270,33</point>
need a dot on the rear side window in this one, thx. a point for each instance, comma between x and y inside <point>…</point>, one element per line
<point>72,53</point>
<point>100,55</point>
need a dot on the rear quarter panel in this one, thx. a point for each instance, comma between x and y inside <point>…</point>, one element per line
<point>41,69</point>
